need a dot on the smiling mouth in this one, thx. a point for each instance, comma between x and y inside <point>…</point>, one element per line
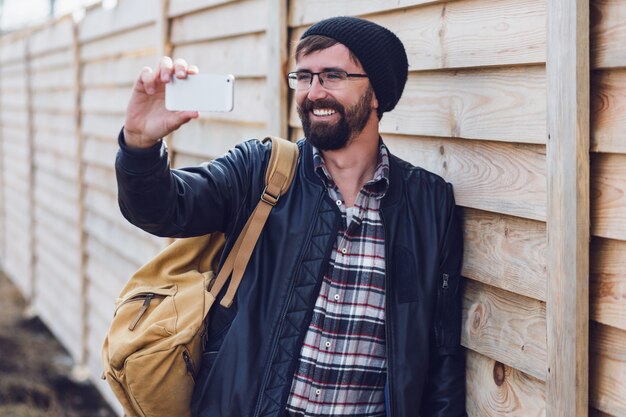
<point>324,112</point>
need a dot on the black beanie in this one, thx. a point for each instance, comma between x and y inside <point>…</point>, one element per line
<point>379,50</point>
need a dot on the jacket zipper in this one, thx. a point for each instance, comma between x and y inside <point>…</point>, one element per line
<point>142,310</point>
<point>387,321</point>
<point>283,315</point>
<point>443,307</point>
<point>189,364</point>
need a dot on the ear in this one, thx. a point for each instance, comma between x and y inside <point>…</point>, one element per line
<point>374,102</point>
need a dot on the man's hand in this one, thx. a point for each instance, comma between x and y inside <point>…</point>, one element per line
<point>147,120</point>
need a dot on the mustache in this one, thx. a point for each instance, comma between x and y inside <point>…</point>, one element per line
<point>326,103</point>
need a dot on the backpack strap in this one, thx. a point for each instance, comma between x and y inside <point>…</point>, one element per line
<point>278,177</point>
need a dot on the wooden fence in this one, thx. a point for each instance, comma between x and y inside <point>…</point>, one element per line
<point>521,104</point>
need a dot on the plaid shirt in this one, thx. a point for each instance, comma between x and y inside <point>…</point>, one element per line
<point>343,365</point>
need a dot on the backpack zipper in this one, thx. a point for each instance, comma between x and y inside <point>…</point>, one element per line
<point>142,310</point>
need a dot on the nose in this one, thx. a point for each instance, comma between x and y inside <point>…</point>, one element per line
<point>316,91</point>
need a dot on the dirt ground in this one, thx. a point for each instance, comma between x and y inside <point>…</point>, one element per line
<point>34,368</point>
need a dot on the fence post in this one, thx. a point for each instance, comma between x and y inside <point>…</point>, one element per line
<point>567,68</point>
<point>81,369</point>
<point>277,62</point>
<point>30,298</point>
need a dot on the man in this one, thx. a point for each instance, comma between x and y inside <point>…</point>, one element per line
<point>350,305</point>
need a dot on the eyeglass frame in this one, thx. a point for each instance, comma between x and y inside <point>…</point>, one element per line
<point>293,74</point>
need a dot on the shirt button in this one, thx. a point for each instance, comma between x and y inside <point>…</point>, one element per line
<point>344,251</point>
<point>327,344</point>
<point>318,392</point>
<point>336,297</point>
<point>338,202</point>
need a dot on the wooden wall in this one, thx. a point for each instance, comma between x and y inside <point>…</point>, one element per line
<point>17,152</point>
<point>475,111</point>
<point>607,342</point>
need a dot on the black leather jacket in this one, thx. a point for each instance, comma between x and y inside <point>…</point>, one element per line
<point>253,347</point>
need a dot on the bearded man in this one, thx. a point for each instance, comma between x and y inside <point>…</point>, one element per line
<point>350,305</point>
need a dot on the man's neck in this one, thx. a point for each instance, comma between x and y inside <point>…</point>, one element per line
<point>353,165</point>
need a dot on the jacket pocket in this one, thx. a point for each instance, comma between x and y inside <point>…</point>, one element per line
<point>448,311</point>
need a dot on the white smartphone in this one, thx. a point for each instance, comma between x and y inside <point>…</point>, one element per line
<point>201,92</point>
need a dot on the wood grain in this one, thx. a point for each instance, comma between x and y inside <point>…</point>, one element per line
<point>499,177</point>
<point>607,34</point>
<point>494,390</point>
<point>138,41</point>
<point>608,196</point>
<point>507,327</point>
<point>179,7</point>
<point>217,22</point>
<point>52,37</point>
<point>243,56</point>
<point>211,138</point>
<point>128,15</point>
<point>608,111</point>
<point>608,282</point>
<point>505,252</point>
<point>460,34</point>
<point>568,97</point>
<point>607,371</point>
<point>504,104</point>
<point>115,72</point>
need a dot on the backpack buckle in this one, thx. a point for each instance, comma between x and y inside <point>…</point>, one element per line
<point>268,198</point>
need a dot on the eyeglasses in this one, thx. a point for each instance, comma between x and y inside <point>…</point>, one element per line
<point>331,80</point>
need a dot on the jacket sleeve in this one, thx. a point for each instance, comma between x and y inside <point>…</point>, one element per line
<point>185,202</point>
<point>444,394</point>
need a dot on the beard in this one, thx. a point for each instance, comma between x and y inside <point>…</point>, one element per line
<point>328,136</point>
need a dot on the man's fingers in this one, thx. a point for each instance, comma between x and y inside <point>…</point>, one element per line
<point>180,68</point>
<point>146,77</point>
<point>165,69</point>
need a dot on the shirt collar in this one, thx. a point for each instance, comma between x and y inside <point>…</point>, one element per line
<point>376,187</point>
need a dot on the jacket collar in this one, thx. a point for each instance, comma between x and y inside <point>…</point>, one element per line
<point>394,192</point>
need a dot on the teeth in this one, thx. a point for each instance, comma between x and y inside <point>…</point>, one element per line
<point>323,112</point>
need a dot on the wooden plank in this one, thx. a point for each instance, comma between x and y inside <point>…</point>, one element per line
<point>607,267</point>
<point>53,79</point>
<point>54,100</point>
<point>608,111</point>
<point>608,188</point>
<point>208,139</point>
<point>504,104</point>
<point>608,33</point>
<point>127,15</point>
<point>471,33</point>
<point>115,72</point>
<point>608,369</point>
<point>303,12</point>
<point>55,165</point>
<point>243,56</point>
<point>62,58</point>
<point>277,47</point>
<point>59,187</point>
<point>179,7</point>
<point>100,177</point>
<point>13,117</point>
<point>53,36</point>
<point>500,177</point>
<point>62,124</point>
<point>567,75</point>
<point>106,100</point>
<point>495,389</point>
<point>131,244</point>
<point>507,327</point>
<point>14,99</point>
<point>101,125</point>
<point>505,252</point>
<point>13,48</point>
<point>217,22</point>
<point>57,228</point>
<point>59,144</point>
<point>99,152</point>
<point>138,41</point>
